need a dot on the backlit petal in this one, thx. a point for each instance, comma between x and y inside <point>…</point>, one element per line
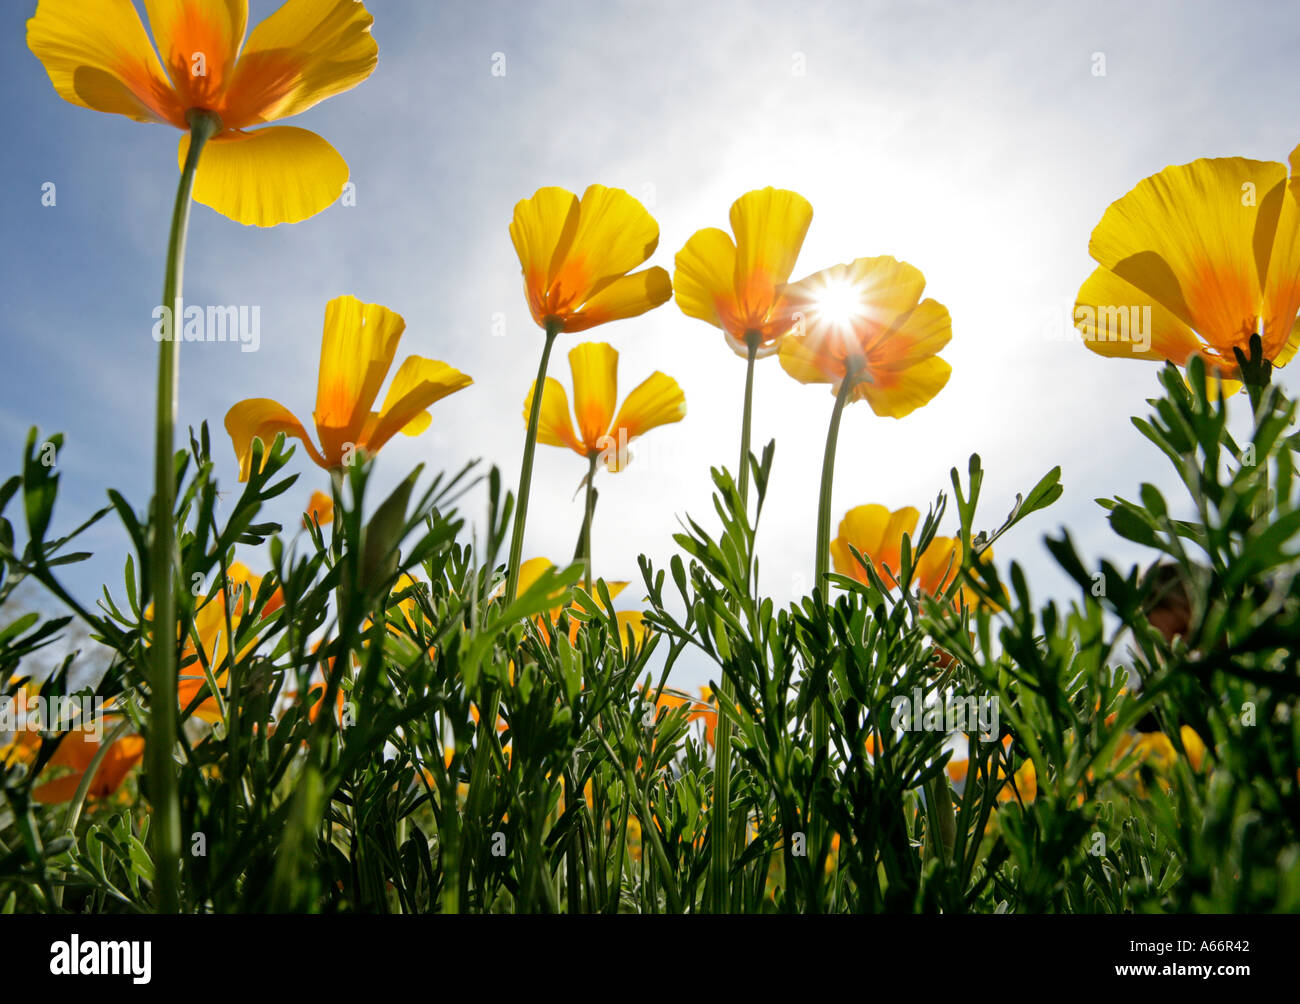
<point>305,52</point>
<point>541,230</point>
<point>555,428</point>
<point>357,349</point>
<point>704,280</point>
<point>894,395</point>
<point>418,384</point>
<point>1282,280</point>
<point>1117,319</point>
<point>99,56</point>
<point>268,176</point>
<point>1192,239</point>
<point>770,225</point>
<point>626,296</point>
<point>658,400</point>
<point>810,358</point>
<point>595,389</point>
<point>264,419</point>
<point>199,42</point>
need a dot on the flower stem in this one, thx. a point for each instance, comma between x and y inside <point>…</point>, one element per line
<point>526,470</point>
<point>720,825</point>
<point>751,342</point>
<point>821,733</point>
<point>588,516</point>
<point>162,704</point>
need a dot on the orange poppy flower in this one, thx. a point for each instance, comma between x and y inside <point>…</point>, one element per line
<point>98,56</point>
<point>320,508</point>
<point>867,319</point>
<point>75,752</point>
<point>1195,260</point>
<point>210,626</point>
<point>700,710</point>
<point>534,568</point>
<point>657,400</point>
<point>357,351</point>
<point>878,533</point>
<point>578,256</point>
<point>738,285</point>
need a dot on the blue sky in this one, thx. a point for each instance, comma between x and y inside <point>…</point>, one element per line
<point>975,141</point>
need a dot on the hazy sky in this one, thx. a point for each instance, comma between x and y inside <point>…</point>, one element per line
<point>976,141</point>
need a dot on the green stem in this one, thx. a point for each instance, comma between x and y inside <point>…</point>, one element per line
<point>751,342</point>
<point>553,327</point>
<point>161,738</point>
<point>828,478</point>
<point>589,514</point>
<point>720,824</point>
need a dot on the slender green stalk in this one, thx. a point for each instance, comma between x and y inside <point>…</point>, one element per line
<point>720,824</point>
<point>828,477</point>
<point>820,725</point>
<point>161,740</point>
<point>751,342</point>
<point>553,327</point>
<point>589,514</point>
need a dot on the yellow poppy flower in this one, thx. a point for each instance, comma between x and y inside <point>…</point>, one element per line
<point>320,508</point>
<point>98,56</point>
<point>738,285</point>
<point>878,533</point>
<point>1195,260</point>
<point>76,752</point>
<point>657,400</point>
<point>577,257</point>
<point>867,319</point>
<point>534,568</point>
<point>357,352</point>
<point>210,626</point>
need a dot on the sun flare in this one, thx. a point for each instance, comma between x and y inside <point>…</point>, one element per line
<point>839,303</point>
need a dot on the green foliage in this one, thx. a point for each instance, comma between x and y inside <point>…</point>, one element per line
<point>386,733</point>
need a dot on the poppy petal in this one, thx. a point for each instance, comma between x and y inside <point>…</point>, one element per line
<point>595,390</point>
<point>623,297</point>
<point>305,52</point>
<point>419,383</point>
<point>199,42</point>
<point>99,56</point>
<point>357,350</point>
<point>657,400</point>
<point>1192,239</point>
<point>263,419</point>
<point>554,427</point>
<point>770,225</point>
<point>895,395</point>
<point>266,177</point>
<point>704,280</point>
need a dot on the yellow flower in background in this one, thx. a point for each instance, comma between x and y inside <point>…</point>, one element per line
<point>866,321</point>
<point>534,568</point>
<point>76,752</point>
<point>98,56</point>
<point>357,352</point>
<point>1195,260</point>
<point>210,626</point>
<point>578,256</point>
<point>320,508</point>
<point>657,400</point>
<point>738,285</point>
<point>878,533</point>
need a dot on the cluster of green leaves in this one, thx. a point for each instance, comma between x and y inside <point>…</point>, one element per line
<point>395,736</point>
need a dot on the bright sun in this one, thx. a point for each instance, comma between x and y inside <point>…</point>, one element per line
<point>839,304</point>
